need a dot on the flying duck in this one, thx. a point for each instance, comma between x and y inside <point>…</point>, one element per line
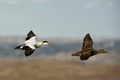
<point>87,49</point>
<point>31,44</point>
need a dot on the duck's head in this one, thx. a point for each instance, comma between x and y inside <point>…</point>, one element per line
<point>72,54</point>
<point>101,51</point>
<point>42,43</point>
<point>76,54</point>
<point>45,43</point>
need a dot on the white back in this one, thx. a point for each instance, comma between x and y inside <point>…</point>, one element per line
<point>31,42</point>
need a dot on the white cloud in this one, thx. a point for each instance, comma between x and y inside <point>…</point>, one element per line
<point>99,3</point>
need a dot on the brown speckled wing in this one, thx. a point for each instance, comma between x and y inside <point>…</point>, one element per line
<point>29,35</point>
<point>87,43</point>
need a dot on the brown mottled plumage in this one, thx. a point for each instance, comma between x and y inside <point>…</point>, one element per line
<point>87,49</point>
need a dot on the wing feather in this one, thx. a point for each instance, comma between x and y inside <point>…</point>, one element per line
<point>28,50</point>
<point>29,35</point>
<point>87,42</point>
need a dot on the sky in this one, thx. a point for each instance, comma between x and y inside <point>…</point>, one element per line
<point>60,18</point>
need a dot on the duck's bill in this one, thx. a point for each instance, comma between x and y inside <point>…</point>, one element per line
<point>105,52</point>
<point>49,44</point>
<point>72,54</point>
<point>75,54</point>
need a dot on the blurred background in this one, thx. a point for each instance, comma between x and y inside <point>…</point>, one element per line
<point>64,23</point>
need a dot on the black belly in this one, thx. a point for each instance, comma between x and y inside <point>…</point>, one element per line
<point>84,57</point>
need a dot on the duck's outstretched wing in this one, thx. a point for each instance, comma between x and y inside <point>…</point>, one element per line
<point>30,35</point>
<point>19,47</point>
<point>28,50</point>
<point>87,43</point>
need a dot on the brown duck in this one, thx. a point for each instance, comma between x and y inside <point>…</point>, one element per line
<point>87,49</point>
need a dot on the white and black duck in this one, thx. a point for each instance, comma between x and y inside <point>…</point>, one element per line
<point>31,44</point>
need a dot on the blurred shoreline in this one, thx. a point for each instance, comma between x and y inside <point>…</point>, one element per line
<point>56,63</point>
<point>64,45</point>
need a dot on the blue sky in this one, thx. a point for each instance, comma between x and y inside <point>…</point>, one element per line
<point>57,18</point>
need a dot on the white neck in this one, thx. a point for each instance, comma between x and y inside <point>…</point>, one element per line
<point>38,44</point>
